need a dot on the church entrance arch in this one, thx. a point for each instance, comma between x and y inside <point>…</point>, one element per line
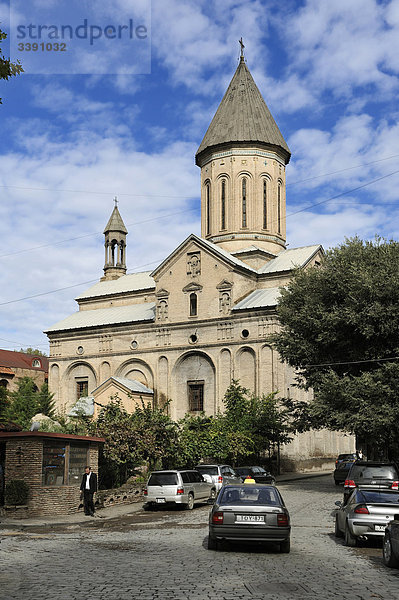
<point>193,385</point>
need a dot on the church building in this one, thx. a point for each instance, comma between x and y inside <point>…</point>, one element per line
<point>203,317</point>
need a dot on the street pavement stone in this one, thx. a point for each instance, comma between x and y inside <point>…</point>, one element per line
<point>165,556</point>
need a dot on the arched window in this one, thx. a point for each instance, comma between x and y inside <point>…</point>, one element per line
<point>244,201</point>
<point>223,204</point>
<point>279,208</point>
<point>208,208</point>
<point>193,305</point>
<point>264,204</point>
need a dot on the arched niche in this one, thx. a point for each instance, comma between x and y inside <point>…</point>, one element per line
<point>246,368</point>
<point>137,370</point>
<point>191,372</point>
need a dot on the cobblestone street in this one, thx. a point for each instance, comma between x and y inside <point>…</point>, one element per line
<point>163,555</point>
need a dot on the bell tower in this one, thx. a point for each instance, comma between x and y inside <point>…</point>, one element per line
<point>242,159</point>
<point>115,246</point>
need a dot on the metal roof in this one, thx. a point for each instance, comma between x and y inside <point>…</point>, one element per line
<point>243,116</point>
<point>106,316</point>
<point>127,283</point>
<point>290,259</point>
<point>259,299</point>
<point>130,384</point>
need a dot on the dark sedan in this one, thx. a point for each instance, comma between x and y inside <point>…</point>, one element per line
<point>258,473</point>
<point>249,512</point>
<point>390,548</point>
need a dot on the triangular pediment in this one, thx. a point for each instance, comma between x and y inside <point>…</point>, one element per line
<point>224,285</point>
<point>192,287</point>
<point>194,243</point>
<point>162,293</point>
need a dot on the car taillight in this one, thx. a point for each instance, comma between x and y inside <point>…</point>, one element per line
<point>180,491</point>
<point>361,510</point>
<point>145,492</point>
<point>220,479</point>
<point>217,518</point>
<point>282,520</point>
<point>395,485</point>
<point>349,483</point>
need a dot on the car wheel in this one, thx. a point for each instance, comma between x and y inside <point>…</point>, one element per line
<point>338,532</point>
<point>388,556</point>
<point>147,506</point>
<point>336,482</point>
<point>285,546</point>
<point>190,503</point>
<point>350,540</point>
<point>212,496</point>
<point>212,543</point>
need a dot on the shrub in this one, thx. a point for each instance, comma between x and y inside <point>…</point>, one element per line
<point>16,492</point>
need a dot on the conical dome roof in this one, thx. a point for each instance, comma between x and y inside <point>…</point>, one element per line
<point>243,117</point>
<point>115,222</point>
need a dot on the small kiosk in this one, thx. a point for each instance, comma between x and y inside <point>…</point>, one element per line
<point>52,465</point>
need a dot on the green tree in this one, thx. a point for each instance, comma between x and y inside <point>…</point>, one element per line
<point>340,330</point>
<point>3,403</point>
<point>24,403</point>
<point>7,68</point>
<point>45,401</point>
<point>32,351</point>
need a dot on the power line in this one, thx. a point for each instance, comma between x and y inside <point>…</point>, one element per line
<point>353,362</point>
<point>95,233</point>
<point>68,287</point>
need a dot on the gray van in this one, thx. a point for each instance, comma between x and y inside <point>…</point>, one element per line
<point>221,474</point>
<point>181,487</point>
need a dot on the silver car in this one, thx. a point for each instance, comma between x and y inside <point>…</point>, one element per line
<point>249,512</point>
<point>180,487</point>
<point>366,514</point>
<point>221,474</point>
<point>390,546</point>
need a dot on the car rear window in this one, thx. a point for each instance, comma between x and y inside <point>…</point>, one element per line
<point>379,497</point>
<point>250,495</point>
<point>165,478</point>
<point>207,470</point>
<point>360,472</point>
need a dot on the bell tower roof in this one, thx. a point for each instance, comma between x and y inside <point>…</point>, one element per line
<point>242,117</point>
<point>115,222</point>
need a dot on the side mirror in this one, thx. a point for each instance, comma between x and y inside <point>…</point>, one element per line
<point>338,503</point>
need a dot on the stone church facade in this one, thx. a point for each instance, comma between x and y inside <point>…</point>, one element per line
<point>204,315</point>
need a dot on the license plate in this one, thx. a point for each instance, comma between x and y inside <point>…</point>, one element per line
<point>379,527</point>
<point>161,500</point>
<point>250,519</point>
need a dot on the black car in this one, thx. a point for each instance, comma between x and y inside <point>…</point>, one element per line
<point>390,547</point>
<point>341,471</point>
<point>351,457</point>
<point>377,475</point>
<point>258,473</point>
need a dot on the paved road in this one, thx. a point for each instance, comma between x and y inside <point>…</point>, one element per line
<point>163,555</point>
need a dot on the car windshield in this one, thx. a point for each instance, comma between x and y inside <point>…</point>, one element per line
<point>379,497</point>
<point>366,472</point>
<point>207,470</point>
<point>166,478</point>
<point>250,495</point>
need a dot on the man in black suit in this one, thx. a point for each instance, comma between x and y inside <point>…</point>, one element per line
<point>88,487</point>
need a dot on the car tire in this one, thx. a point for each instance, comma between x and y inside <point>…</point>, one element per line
<point>336,482</point>
<point>212,543</point>
<point>350,540</point>
<point>190,503</point>
<point>285,546</point>
<point>147,506</point>
<point>337,531</point>
<point>388,556</point>
<point>212,496</point>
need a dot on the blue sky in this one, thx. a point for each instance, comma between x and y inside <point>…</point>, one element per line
<point>328,72</point>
